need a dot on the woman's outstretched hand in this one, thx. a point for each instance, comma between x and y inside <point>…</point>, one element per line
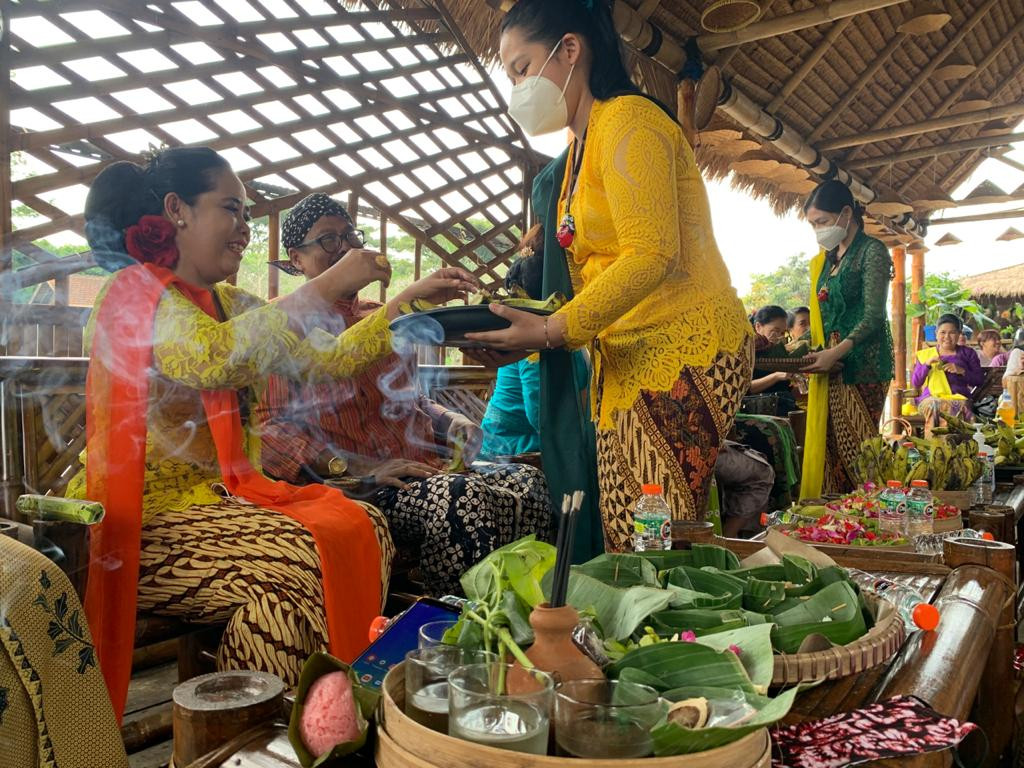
<point>527,331</point>
<point>442,286</point>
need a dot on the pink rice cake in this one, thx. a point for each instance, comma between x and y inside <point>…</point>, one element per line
<point>329,714</point>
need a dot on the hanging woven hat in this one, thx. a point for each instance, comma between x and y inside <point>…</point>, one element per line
<point>730,15</point>
<point>755,163</point>
<point>918,246</point>
<point>971,102</point>
<point>736,148</point>
<point>986,193</point>
<point>1011,234</point>
<point>889,205</point>
<point>925,17</point>
<point>933,199</point>
<point>705,97</point>
<point>799,187</point>
<point>948,239</point>
<point>719,136</point>
<point>956,66</point>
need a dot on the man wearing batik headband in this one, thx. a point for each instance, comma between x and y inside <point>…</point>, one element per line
<point>376,437</point>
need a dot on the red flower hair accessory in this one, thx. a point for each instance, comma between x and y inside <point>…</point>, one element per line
<point>823,294</point>
<point>151,241</point>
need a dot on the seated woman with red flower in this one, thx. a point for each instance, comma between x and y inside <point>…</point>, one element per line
<point>193,529</point>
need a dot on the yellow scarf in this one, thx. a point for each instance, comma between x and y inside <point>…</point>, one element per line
<point>817,399</point>
<point>937,383</point>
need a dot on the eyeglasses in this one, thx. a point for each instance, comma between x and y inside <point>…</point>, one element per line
<point>332,242</point>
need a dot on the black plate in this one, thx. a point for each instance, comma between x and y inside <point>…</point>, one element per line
<point>448,326</point>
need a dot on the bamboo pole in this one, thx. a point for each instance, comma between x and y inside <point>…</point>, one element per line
<point>935,124</point>
<point>383,250</point>
<point>899,321</point>
<point>1016,213</point>
<point>809,63</point>
<point>916,284</point>
<point>273,252</point>
<point>1010,162</point>
<point>946,148</point>
<point>792,22</point>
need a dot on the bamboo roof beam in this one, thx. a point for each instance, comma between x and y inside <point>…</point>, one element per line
<point>791,22</point>
<point>1017,213</point>
<point>809,63</point>
<point>6,192</point>
<point>867,76</point>
<point>1009,161</point>
<point>964,84</point>
<point>925,126</point>
<point>944,148</point>
<point>962,165</point>
<point>952,44</point>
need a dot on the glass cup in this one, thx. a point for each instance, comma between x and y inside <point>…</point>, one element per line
<point>606,718</point>
<point>432,633</point>
<point>426,681</point>
<point>501,705</point>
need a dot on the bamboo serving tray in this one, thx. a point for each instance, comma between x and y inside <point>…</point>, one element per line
<point>404,743</point>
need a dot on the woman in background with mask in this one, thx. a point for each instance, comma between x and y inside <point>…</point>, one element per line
<point>652,295</point>
<point>849,288</point>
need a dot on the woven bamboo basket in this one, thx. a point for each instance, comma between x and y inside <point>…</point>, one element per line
<point>404,743</point>
<point>877,647</point>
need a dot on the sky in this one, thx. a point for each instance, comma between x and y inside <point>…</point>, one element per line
<point>751,237</point>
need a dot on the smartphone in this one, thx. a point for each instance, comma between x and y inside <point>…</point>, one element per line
<point>401,636</point>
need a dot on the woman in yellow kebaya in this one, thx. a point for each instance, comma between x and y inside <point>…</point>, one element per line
<point>651,293</point>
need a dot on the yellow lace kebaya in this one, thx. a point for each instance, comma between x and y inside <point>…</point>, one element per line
<point>650,284</point>
<point>192,351</point>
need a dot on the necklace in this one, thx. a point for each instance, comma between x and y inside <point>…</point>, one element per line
<point>567,226</point>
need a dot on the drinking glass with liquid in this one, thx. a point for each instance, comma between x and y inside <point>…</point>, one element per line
<point>606,718</point>
<point>501,705</point>
<point>426,681</point>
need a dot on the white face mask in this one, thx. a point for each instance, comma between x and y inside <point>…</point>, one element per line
<point>831,236</point>
<point>537,104</point>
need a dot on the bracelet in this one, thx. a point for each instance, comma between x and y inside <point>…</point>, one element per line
<point>547,340</point>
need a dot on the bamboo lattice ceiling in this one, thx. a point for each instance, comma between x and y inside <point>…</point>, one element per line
<point>356,98</point>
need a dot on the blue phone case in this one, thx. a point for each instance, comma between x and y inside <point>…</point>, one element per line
<point>398,639</point>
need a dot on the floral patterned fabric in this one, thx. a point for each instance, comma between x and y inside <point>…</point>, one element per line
<point>192,351</point>
<point>899,727</point>
<point>54,708</point>
<point>648,279</point>
<point>852,305</point>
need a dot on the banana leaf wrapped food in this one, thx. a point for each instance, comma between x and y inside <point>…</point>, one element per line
<point>58,508</point>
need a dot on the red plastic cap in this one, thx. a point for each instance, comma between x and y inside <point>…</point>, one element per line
<point>764,518</point>
<point>908,445</point>
<point>987,536</point>
<point>926,616</point>
<point>377,627</point>
<point>651,489</point>
<point>894,484</point>
<point>919,484</point>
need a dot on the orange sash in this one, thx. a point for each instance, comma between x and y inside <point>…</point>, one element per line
<point>117,399</point>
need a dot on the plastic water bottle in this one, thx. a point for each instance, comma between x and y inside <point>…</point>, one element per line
<point>1005,411</point>
<point>913,455</point>
<point>984,486</point>
<point>932,543</point>
<point>915,611</point>
<point>652,521</point>
<point>893,513</point>
<point>784,517</point>
<point>919,509</point>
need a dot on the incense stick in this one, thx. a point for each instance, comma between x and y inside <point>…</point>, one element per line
<point>563,557</point>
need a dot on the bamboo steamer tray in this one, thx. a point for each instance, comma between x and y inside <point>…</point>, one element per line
<point>879,645</point>
<point>404,743</point>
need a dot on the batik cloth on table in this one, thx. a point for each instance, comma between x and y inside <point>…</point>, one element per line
<point>899,727</point>
<point>672,439</point>
<point>54,707</point>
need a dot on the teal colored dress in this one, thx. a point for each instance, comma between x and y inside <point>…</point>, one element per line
<point>512,422</point>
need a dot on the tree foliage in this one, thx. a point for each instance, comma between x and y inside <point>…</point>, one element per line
<point>788,286</point>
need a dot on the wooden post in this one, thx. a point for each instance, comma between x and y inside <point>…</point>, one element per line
<point>384,250</point>
<point>273,253</point>
<point>916,284</point>
<point>899,324</point>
